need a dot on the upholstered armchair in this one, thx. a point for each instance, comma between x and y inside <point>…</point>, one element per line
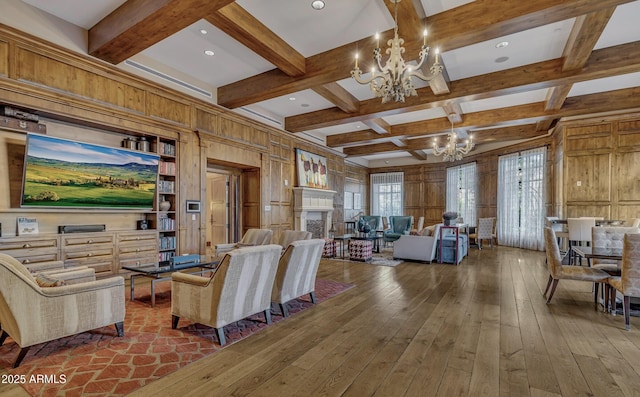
<point>558,271</point>
<point>31,314</point>
<point>297,270</point>
<point>628,283</point>
<point>374,222</point>
<point>424,247</point>
<point>289,236</point>
<point>250,238</point>
<point>398,226</point>
<point>241,286</point>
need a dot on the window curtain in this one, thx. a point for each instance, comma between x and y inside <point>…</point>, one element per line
<point>521,199</point>
<point>461,191</point>
<point>387,194</point>
<point>533,202</point>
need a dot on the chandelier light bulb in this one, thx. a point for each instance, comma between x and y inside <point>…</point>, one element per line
<point>393,78</point>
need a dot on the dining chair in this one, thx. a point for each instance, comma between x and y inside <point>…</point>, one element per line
<point>484,231</point>
<point>609,237</point>
<point>558,271</point>
<point>579,233</point>
<point>559,230</point>
<point>628,283</point>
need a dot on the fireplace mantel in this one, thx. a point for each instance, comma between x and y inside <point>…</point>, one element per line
<point>310,202</point>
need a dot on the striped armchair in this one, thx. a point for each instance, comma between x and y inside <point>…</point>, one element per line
<point>297,270</point>
<point>241,286</point>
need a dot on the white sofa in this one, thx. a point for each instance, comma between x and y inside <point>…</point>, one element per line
<point>425,248</point>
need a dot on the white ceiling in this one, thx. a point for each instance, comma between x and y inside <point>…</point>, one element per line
<point>341,22</point>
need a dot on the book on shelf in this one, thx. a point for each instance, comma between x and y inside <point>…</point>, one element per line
<point>166,168</point>
<point>167,149</point>
<point>166,187</point>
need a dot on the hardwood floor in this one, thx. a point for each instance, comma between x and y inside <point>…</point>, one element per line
<point>480,328</point>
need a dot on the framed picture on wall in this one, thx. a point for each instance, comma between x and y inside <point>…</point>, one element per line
<point>348,200</point>
<point>312,170</point>
<point>357,201</point>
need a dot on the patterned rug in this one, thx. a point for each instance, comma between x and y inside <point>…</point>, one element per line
<point>96,363</point>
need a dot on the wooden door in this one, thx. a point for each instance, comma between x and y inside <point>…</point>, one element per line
<point>218,211</point>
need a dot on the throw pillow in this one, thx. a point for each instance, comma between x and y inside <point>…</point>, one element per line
<point>47,281</point>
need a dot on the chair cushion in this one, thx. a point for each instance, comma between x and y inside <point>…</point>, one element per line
<point>45,281</point>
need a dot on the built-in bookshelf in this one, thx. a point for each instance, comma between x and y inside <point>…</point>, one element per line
<point>166,221</point>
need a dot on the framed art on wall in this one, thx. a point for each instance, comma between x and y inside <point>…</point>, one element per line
<point>311,169</point>
<point>348,200</point>
<point>357,201</point>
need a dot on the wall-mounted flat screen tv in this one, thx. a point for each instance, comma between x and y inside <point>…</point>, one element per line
<point>69,174</point>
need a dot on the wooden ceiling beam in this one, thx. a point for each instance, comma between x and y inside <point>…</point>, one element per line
<point>481,23</point>
<point>138,24</point>
<point>610,101</point>
<point>245,28</point>
<point>334,93</point>
<point>378,125</point>
<point>418,154</point>
<point>611,61</point>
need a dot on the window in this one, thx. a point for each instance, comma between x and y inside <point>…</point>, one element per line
<point>461,191</point>
<point>387,194</point>
<point>521,199</point>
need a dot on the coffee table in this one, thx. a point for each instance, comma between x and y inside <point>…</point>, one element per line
<point>158,272</point>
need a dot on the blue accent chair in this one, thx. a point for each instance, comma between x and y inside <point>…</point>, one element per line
<point>374,222</point>
<point>399,225</point>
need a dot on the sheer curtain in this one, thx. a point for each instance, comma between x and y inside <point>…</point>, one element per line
<point>521,199</point>
<point>461,191</point>
<point>387,195</point>
<point>533,203</point>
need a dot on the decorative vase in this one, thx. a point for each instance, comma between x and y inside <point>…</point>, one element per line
<point>165,205</point>
<point>447,222</point>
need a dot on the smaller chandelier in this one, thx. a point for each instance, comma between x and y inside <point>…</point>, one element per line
<point>394,79</point>
<point>451,151</point>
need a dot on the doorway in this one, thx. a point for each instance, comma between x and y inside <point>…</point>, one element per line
<point>233,197</point>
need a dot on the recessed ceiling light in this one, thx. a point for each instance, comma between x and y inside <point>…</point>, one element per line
<point>209,53</point>
<point>502,44</point>
<point>292,98</point>
<point>203,31</point>
<point>501,59</point>
<point>317,4</point>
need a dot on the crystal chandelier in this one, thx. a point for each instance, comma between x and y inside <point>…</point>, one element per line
<point>393,80</point>
<point>451,151</point>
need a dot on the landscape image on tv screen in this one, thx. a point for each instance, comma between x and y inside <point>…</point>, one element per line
<point>64,173</point>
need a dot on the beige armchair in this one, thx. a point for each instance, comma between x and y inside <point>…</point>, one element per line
<point>289,236</point>
<point>250,238</point>
<point>241,286</point>
<point>297,270</point>
<point>31,314</point>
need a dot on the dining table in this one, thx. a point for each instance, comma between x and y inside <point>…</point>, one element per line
<point>591,252</point>
<point>599,222</point>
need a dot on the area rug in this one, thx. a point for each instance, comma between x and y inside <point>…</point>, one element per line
<point>385,258</point>
<point>97,363</point>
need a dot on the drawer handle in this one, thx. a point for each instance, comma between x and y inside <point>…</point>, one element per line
<point>26,261</point>
<point>26,245</point>
<point>137,262</point>
<point>137,238</point>
<point>137,249</point>
<point>89,254</point>
<point>90,241</point>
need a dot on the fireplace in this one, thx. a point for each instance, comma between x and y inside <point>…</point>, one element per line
<point>313,209</point>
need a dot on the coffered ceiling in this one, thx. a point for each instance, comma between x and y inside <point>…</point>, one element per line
<point>288,65</point>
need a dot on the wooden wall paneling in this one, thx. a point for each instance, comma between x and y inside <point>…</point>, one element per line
<point>577,210</point>
<point>588,137</point>
<point>206,121</point>
<point>251,199</point>
<point>593,173</point>
<point>4,58</point>
<point>168,109</point>
<point>192,182</point>
<point>46,71</point>
<point>628,176</point>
